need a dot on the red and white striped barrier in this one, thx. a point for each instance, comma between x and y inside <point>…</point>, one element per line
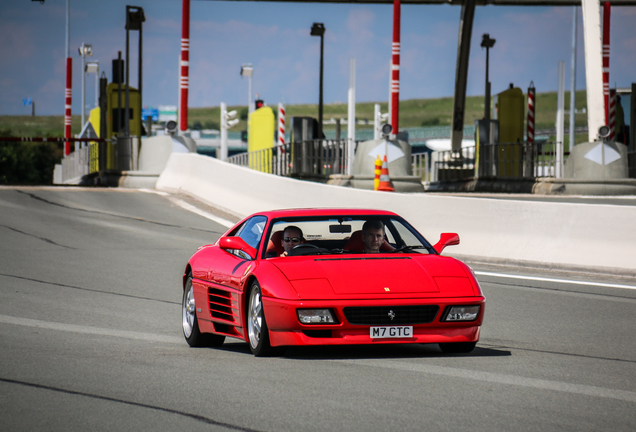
<point>612,115</point>
<point>184,66</point>
<point>606,57</point>
<point>530,121</point>
<point>67,105</point>
<point>281,127</point>
<point>395,68</point>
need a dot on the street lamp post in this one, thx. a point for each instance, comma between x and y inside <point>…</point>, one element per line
<point>318,29</point>
<point>247,70</point>
<point>93,67</point>
<point>487,43</point>
<point>84,51</point>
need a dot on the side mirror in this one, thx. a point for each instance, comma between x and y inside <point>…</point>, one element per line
<point>237,243</point>
<point>446,239</point>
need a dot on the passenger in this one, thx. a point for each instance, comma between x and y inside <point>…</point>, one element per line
<point>373,236</point>
<point>292,236</point>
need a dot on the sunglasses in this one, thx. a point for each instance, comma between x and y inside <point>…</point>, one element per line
<point>291,239</point>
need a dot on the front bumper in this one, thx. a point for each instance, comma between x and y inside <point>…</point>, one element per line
<point>285,329</point>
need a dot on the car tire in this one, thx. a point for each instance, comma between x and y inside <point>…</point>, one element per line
<point>190,324</point>
<point>457,347</point>
<point>257,331</point>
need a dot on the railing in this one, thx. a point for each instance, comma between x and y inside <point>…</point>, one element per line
<point>449,165</point>
<point>313,158</point>
<point>631,163</point>
<point>75,165</point>
<point>502,161</point>
<point>520,160</point>
<point>421,164</point>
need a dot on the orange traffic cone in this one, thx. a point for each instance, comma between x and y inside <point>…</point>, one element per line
<point>385,180</point>
<point>378,169</point>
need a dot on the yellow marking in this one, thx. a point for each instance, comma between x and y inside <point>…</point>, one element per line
<point>387,289</point>
<point>247,269</point>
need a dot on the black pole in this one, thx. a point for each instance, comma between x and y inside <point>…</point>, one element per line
<point>103,129</point>
<point>322,47</point>
<point>33,109</point>
<point>140,82</point>
<point>461,73</point>
<point>126,116</point>
<point>487,101</point>
<point>120,80</point>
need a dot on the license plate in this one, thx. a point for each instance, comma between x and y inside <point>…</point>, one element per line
<point>391,332</point>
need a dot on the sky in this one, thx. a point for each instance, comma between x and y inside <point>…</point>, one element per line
<point>274,38</point>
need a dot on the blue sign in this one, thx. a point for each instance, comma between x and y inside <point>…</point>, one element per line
<point>149,111</point>
<point>27,101</point>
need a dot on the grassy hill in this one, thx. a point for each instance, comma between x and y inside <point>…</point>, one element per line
<point>413,113</point>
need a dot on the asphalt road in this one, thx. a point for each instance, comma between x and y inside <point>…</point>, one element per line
<point>90,339</point>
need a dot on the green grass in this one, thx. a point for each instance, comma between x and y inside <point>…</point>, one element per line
<point>413,113</point>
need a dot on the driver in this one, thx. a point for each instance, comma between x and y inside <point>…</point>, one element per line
<point>292,236</point>
<point>372,235</point>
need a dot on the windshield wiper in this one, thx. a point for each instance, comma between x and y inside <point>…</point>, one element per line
<point>406,247</point>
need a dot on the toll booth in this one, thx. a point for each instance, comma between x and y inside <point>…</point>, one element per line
<point>510,113</point>
<point>116,109</point>
<point>114,102</point>
<point>305,152</point>
<point>260,138</point>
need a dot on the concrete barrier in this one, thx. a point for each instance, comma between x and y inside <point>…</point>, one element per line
<point>591,237</point>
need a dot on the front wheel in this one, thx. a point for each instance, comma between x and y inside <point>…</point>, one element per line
<point>190,324</point>
<point>258,334</point>
<point>457,347</point>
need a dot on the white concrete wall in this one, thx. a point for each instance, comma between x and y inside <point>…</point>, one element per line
<point>562,235</point>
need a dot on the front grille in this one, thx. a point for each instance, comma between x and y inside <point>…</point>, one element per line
<point>381,315</point>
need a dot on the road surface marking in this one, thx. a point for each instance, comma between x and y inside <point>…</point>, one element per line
<point>150,337</point>
<point>189,207</point>
<point>565,281</point>
<point>541,384</point>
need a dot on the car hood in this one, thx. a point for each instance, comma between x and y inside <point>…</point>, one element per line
<point>406,276</point>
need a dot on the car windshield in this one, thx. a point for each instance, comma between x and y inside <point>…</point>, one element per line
<point>342,235</point>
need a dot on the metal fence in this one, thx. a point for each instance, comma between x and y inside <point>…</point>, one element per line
<point>520,160</point>
<point>312,158</point>
<point>421,164</point>
<point>631,163</point>
<point>501,161</point>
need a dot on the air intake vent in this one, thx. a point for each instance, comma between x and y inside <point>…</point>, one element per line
<point>221,304</point>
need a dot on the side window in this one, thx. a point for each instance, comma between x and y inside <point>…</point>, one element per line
<point>252,231</point>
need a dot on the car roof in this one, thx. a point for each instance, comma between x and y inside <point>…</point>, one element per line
<point>300,212</point>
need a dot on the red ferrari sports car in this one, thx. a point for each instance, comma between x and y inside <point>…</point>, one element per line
<point>329,277</point>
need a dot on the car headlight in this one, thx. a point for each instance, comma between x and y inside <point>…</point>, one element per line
<point>315,316</point>
<point>461,313</point>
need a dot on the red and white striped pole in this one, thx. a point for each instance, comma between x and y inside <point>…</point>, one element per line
<point>68,93</point>
<point>612,115</point>
<point>606,57</point>
<point>67,105</point>
<point>184,67</point>
<point>395,68</point>
<point>530,122</point>
<point>281,127</point>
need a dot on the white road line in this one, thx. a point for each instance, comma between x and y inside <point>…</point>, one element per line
<point>189,207</point>
<point>149,337</point>
<point>497,378</point>
<point>564,281</point>
<point>184,205</point>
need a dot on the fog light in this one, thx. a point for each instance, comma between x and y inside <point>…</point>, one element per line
<point>462,313</point>
<point>315,316</point>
